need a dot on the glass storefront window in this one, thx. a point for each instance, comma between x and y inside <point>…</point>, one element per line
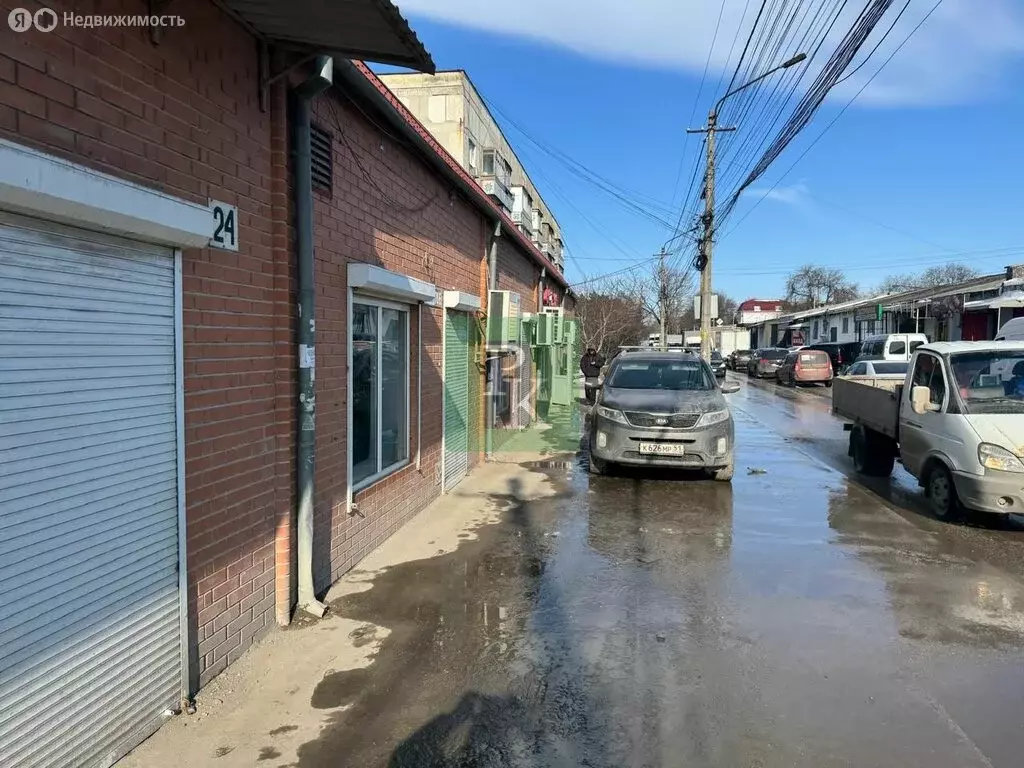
<point>380,389</point>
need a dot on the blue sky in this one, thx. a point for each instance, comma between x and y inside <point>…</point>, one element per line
<point>923,168</point>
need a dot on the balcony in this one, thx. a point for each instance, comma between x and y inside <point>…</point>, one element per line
<point>498,191</point>
<point>524,219</point>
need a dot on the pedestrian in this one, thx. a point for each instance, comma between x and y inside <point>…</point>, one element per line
<point>590,365</point>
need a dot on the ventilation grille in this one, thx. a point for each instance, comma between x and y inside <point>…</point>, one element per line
<point>321,159</point>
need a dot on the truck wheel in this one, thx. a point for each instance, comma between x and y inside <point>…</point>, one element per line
<point>873,454</point>
<point>941,491</point>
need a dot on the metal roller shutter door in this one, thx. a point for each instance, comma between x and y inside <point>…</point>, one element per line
<point>90,643</point>
<point>456,398</point>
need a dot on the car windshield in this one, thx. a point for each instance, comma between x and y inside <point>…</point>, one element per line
<point>774,354</point>
<point>661,374</point>
<point>716,355</point>
<point>886,368</point>
<point>990,381</point>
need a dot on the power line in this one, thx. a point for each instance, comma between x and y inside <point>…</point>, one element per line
<point>836,118</point>
<point>696,100</point>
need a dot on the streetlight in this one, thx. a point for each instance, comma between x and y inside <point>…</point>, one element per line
<point>709,202</point>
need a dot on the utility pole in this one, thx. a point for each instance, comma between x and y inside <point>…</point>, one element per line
<point>663,299</point>
<point>706,238</point>
<point>708,219</point>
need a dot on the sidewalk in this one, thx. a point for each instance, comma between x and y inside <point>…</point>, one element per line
<point>557,431</point>
<point>262,709</point>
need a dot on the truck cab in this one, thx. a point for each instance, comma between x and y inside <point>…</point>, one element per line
<point>956,422</point>
<point>961,431</point>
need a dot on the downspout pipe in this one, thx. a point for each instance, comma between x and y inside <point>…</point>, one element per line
<point>493,363</point>
<point>302,94</point>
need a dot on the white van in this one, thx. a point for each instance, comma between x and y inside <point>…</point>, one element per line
<point>1012,330</point>
<point>891,346</point>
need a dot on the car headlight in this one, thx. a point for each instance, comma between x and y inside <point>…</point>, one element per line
<point>611,414</point>
<point>993,457</point>
<point>714,417</point>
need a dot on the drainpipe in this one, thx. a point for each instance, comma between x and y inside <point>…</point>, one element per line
<point>540,289</point>
<point>493,363</point>
<point>317,83</point>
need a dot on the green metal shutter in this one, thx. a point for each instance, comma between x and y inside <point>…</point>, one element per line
<point>456,398</point>
<point>475,388</point>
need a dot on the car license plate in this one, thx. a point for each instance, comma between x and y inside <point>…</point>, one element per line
<point>664,449</point>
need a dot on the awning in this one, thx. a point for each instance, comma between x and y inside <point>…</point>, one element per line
<point>1000,302</point>
<point>371,30</point>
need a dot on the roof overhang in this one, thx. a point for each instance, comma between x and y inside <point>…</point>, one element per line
<point>373,30</point>
<point>1002,302</point>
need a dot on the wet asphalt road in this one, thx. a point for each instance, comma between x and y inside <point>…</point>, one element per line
<point>796,618</point>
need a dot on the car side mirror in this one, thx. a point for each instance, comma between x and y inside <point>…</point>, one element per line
<point>920,400</point>
<point>729,387</point>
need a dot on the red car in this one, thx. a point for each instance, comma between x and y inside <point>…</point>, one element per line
<point>805,366</point>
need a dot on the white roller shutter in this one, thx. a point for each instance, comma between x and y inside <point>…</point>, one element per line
<point>90,644</point>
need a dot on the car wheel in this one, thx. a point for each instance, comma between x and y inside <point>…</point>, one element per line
<point>724,474</point>
<point>595,465</point>
<point>942,496</point>
<point>828,384</point>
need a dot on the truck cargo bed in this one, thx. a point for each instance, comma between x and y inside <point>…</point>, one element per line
<point>874,403</point>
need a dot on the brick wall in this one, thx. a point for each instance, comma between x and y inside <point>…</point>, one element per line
<point>518,272</point>
<point>183,117</point>
<point>387,208</point>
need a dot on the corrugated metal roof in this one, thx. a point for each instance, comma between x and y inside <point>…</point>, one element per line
<point>373,30</point>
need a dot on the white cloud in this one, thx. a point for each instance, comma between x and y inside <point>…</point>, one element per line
<point>964,51</point>
<point>793,194</point>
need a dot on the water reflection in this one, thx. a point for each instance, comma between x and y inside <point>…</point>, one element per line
<point>935,593</point>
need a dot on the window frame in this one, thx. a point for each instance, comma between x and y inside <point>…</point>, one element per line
<point>493,155</point>
<point>381,304</point>
<point>936,366</point>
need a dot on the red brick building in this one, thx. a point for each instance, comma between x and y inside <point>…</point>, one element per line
<point>150,414</point>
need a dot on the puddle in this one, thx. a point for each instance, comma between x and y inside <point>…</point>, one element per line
<point>549,464</point>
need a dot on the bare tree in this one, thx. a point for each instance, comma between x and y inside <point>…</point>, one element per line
<point>609,319</point>
<point>933,277</point>
<point>813,286</point>
<point>670,287</point>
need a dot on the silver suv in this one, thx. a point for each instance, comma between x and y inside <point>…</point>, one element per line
<point>663,409</point>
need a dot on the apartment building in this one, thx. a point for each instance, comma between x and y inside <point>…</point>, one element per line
<point>451,108</point>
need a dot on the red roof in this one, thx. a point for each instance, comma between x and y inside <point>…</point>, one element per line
<point>506,221</point>
<point>766,305</point>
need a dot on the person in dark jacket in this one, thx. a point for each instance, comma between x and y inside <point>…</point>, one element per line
<point>590,365</point>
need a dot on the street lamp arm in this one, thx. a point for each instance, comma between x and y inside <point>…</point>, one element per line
<point>784,65</point>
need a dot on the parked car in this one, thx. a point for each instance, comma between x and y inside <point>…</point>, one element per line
<point>663,409</point>
<point>891,346</point>
<point>840,353</point>
<point>717,363</point>
<point>1012,330</point>
<point>764,362</point>
<point>805,366</point>
<point>738,359</point>
<point>877,369</point>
